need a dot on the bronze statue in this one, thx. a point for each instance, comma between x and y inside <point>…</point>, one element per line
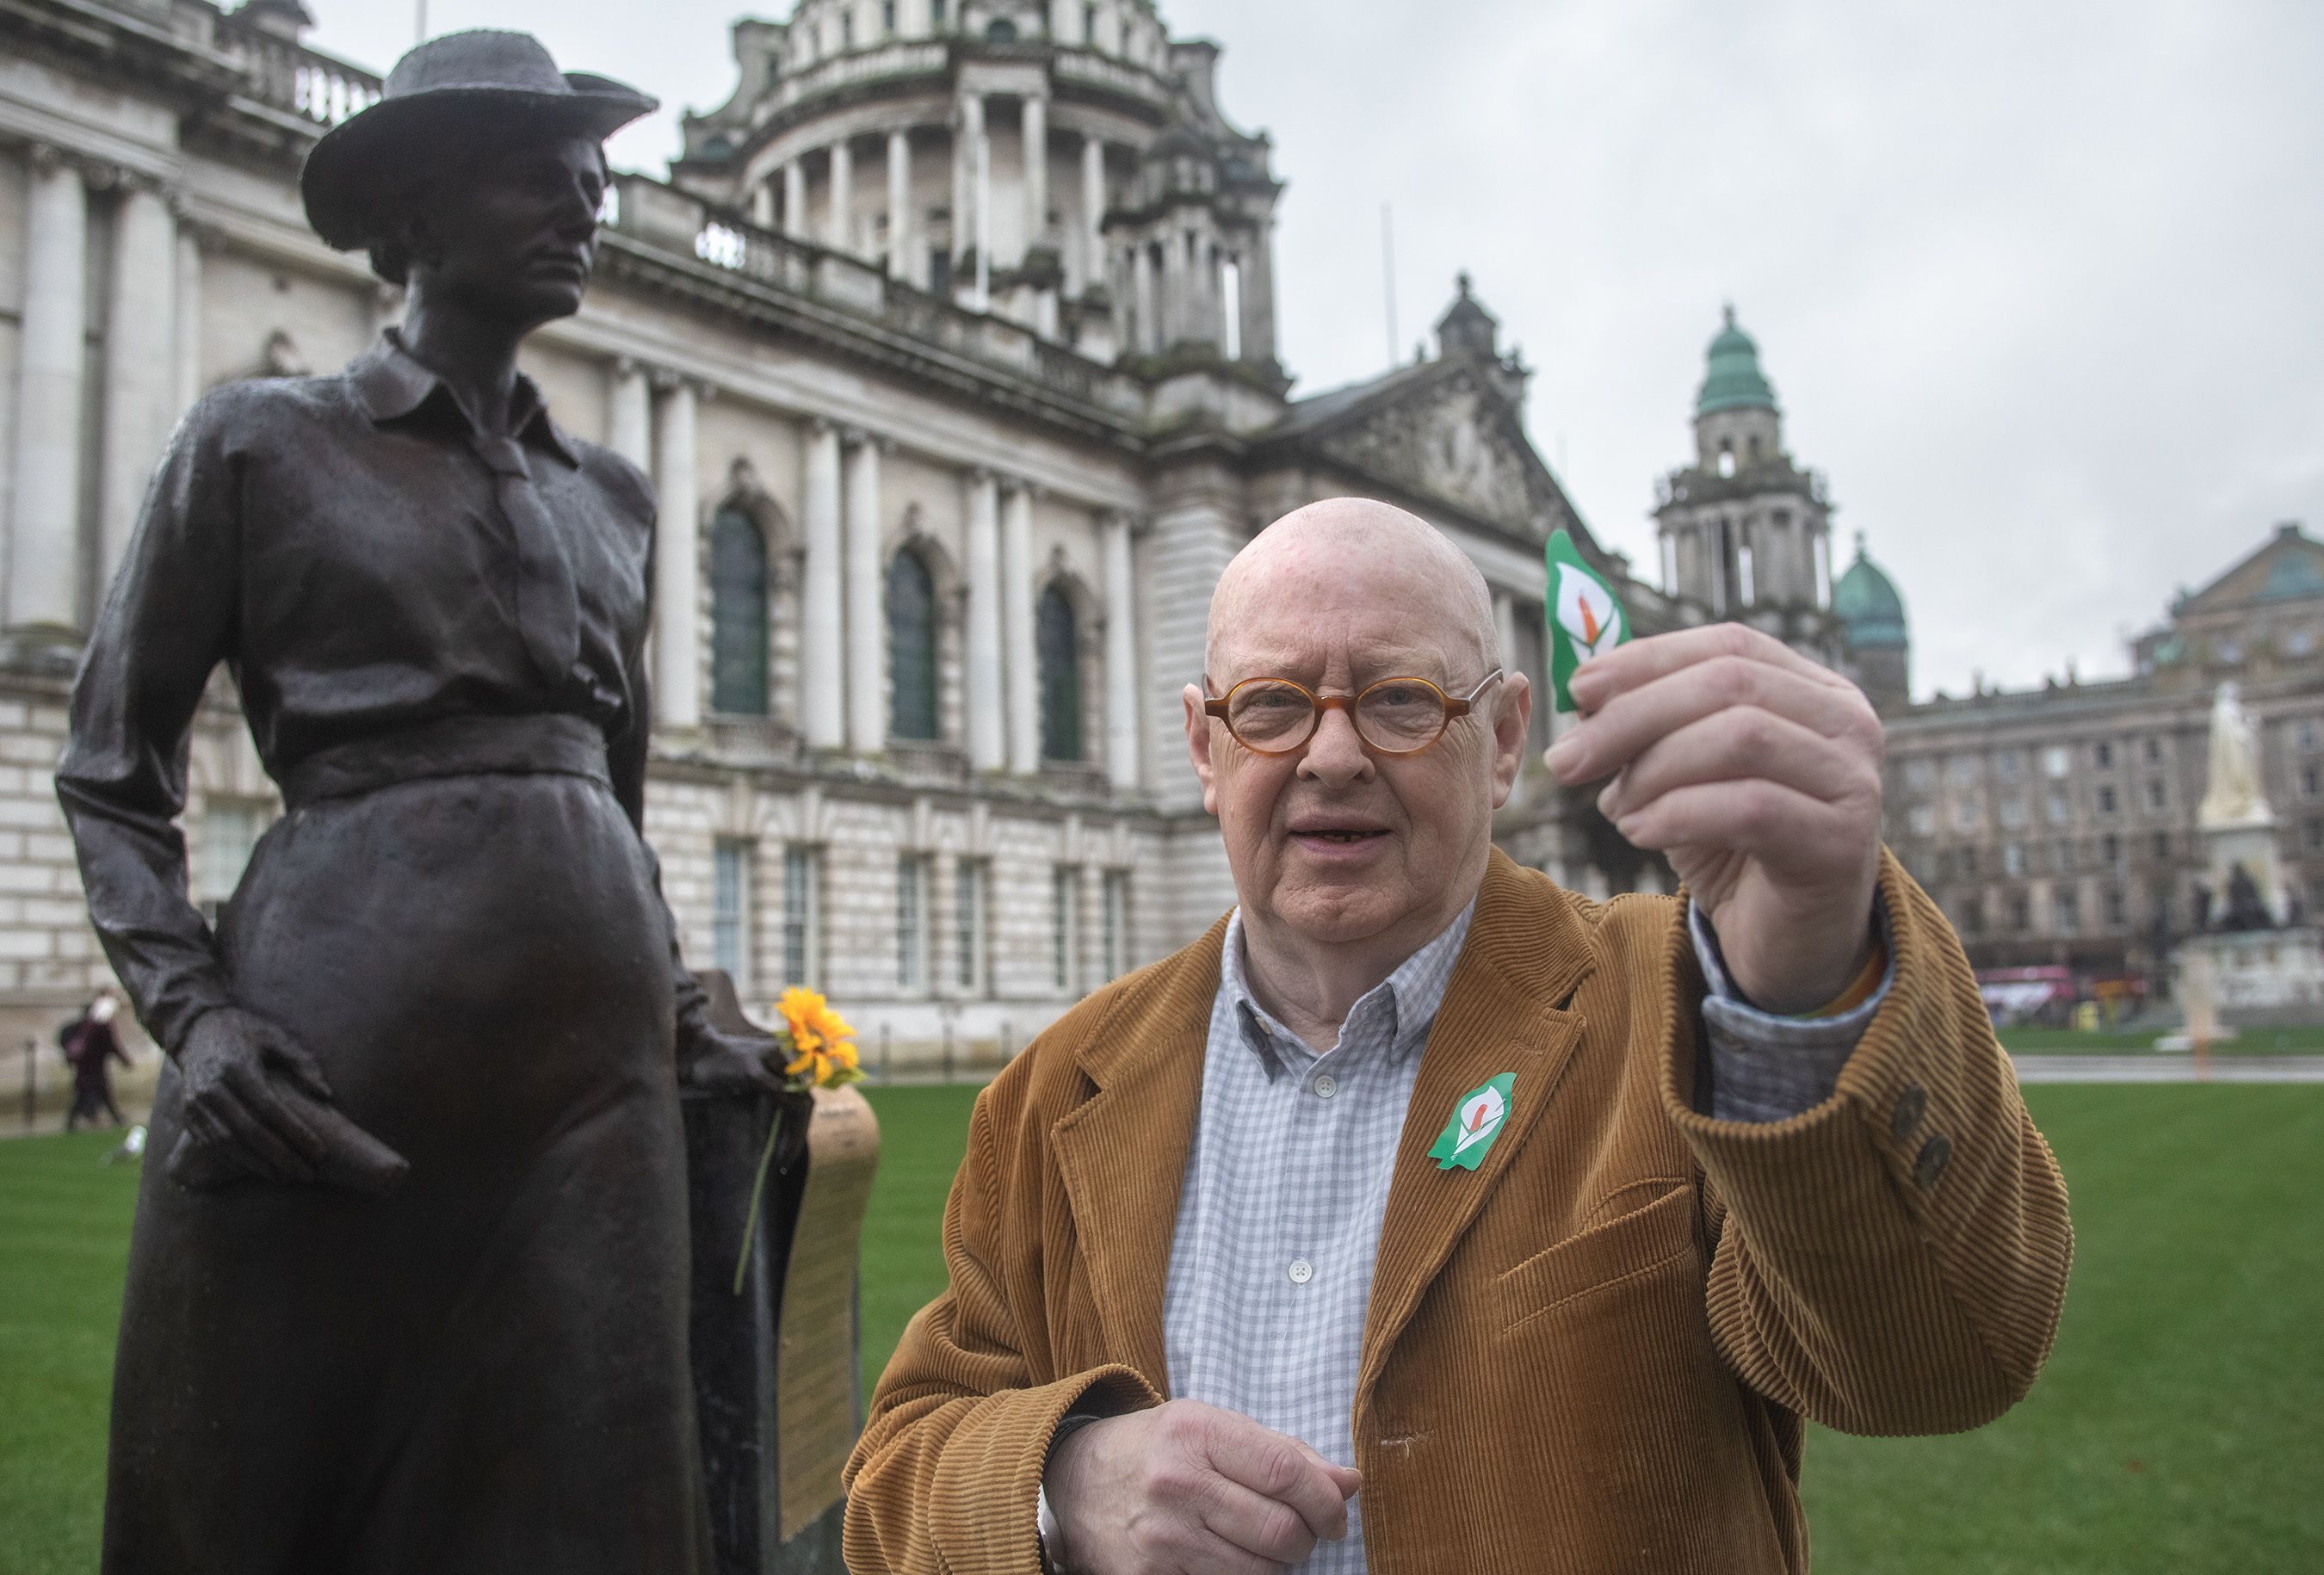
<point>410,1293</point>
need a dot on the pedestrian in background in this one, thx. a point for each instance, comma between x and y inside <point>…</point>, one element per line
<point>92,1048</point>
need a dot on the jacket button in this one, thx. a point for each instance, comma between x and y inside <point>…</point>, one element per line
<point>1931,1162</point>
<point>1910,1105</point>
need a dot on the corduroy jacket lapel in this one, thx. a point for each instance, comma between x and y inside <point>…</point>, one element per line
<point>1525,954</point>
<point>1146,1063</point>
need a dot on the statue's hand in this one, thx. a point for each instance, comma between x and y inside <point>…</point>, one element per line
<point>727,1063</point>
<point>233,1065</point>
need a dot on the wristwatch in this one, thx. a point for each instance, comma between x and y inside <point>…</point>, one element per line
<point>1046,1532</point>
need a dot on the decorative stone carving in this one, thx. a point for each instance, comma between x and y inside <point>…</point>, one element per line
<point>1454,444</point>
<point>2232,796</point>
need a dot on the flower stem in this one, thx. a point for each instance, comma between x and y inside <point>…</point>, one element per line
<point>758,1195</point>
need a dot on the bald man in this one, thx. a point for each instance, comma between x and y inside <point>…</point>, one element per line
<point>1423,1216</point>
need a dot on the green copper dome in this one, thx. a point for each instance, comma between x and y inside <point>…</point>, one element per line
<point>1734,380</point>
<point>1866,602</point>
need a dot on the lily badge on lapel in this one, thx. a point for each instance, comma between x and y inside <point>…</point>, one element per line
<point>1476,1121</point>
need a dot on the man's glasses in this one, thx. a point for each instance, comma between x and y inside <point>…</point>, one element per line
<point>1396,716</point>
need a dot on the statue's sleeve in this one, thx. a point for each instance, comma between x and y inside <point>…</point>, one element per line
<point>167,622</point>
<point>626,752</point>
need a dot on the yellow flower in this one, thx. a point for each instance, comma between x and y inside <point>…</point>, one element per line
<point>821,1040</point>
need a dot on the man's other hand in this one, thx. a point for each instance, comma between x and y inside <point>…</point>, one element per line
<point>1189,1487</point>
<point>1757,773</point>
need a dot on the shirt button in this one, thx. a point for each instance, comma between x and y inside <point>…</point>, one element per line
<point>1326,1086</point>
<point>1302,1271</point>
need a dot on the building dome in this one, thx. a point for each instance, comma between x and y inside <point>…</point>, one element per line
<point>1867,603</point>
<point>1734,380</point>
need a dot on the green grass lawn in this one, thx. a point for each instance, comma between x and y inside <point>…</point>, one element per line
<point>2176,1431</point>
<point>2028,1041</point>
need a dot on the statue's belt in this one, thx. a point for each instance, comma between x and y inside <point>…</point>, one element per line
<point>451,746</point>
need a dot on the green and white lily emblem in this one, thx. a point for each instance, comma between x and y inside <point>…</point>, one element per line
<point>1585,619</point>
<point>1476,1121</point>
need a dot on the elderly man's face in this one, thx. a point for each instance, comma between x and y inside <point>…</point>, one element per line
<point>1338,844</point>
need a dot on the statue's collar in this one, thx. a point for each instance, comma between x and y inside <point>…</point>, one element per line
<point>391,383</point>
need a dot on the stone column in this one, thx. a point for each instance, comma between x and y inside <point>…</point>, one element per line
<point>140,345</point>
<point>1092,211</point>
<point>44,529</point>
<point>1036,129</point>
<point>838,231</point>
<point>1505,629</point>
<point>1170,314</point>
<point>795,223</point>
<point>1259,295</point>
<point>1122,718</point>
<point>762,205</point>
<point>867,627</point>
<point>677,562</point>
<point>630,431</point>
<point>964,179</point>
<point>185,320</point>
<point>899,204</point>
<point>1146,335</point>
<point>1023,672</point>
<point>987,701</point>
<point>980,205</point>
<point>822,676</point>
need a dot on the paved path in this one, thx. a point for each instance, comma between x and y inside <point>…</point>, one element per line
<point>2153,1066</point>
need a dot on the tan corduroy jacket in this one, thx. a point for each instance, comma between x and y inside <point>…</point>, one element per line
<point>1590,1354</point>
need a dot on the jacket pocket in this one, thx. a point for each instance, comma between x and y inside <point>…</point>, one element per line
<point>1601,1256</point>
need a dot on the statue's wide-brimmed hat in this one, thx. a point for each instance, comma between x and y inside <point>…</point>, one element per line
<point>450,87</point>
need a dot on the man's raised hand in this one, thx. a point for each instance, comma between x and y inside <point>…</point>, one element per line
<point>1757,773</point>
<point>1187,1487</point>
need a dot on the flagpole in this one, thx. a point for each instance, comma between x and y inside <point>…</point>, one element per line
<point>420,30</point>
<point>1388,276</point>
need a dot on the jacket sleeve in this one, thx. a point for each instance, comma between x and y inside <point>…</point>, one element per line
<point>1894,1260</point>
<point>947,1477</point>
<point>167,622</point>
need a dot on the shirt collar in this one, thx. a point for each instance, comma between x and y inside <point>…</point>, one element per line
<point>389,384</point>
<point>1410,996</point>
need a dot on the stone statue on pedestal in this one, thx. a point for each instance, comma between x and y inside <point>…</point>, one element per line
<point>2231,793</point>
<point>409,1291</point>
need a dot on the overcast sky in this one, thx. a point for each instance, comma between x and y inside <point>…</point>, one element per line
<point>2040,283</point>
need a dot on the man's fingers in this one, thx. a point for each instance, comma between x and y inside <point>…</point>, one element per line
<point>1738,744</point>
<point>1284,1470</point>
<point>1761,819</point>
<point>1213,1554</point>
<point>1267,1528</point>
<point>1629,722</point>
<point>1641,662</point>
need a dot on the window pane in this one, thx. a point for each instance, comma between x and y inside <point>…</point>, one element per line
<point>798,917</point>
<point>1117,922</point>
<point>911,647</point>
<point>729,909</point>
<point>1061,925</point>
<point>229,832</point>
<point>969,923</point>
<point>911,908</point>
<point>1057,641</point>
<point>738,615</point>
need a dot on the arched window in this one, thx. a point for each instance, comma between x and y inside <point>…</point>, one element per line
<point>911,647</point>
<point>1001,31</point>
<point>1058,644</point>
<point>738,614</point>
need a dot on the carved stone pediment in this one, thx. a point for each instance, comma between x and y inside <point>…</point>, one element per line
<point>1455,441</point>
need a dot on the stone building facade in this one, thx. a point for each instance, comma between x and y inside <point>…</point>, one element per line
<point>2057,824</point>
<point>949,346</point>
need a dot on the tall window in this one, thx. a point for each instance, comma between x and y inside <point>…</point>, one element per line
<point>936,14</point>
<point>970,949</point>
<point>802,914</point>
<point>229,831</point>
<point>1117,922</point>
<point>912,921</point>
<point>1057,642</point>
<point>1065,903</point>
<point>738,614</point>
<point>887,16</point>
<point>911,647</point>
<point>729,909</point>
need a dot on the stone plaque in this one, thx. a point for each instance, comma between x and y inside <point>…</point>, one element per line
<point>818,1368</point>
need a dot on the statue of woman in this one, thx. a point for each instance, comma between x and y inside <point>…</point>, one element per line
<point>434,603</point>
<point>2231,794</point>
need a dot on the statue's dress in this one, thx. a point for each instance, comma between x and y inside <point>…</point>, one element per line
<point>488,1370</point>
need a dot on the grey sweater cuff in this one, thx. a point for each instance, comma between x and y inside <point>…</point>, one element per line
<point>1760,1066</point>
